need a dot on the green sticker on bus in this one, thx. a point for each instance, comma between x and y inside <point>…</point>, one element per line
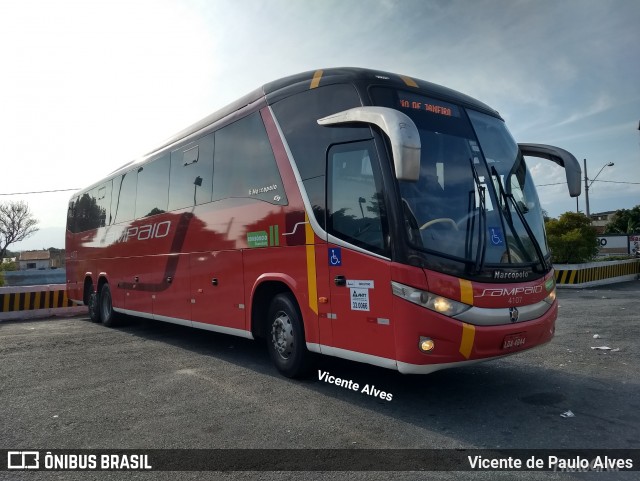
<point>258,239</point>
<point>262,239</point>
<point>549,284</point>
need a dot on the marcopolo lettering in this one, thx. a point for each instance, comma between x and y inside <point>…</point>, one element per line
<point>511,274</point>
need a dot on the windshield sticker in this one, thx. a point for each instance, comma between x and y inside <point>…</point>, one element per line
<point>495,234</point>
<point>474,146</point>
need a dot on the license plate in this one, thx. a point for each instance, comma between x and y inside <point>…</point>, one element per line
<point>514,340</point>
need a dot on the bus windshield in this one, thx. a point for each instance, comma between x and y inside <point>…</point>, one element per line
<point>474,201</point>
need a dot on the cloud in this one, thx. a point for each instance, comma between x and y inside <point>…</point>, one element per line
<point>603,102</point>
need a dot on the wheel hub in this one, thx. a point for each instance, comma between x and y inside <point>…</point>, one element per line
<point>282,335</point>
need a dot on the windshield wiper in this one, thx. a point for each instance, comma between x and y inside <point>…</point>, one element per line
<point>482,221</point>
<point>527,227</point>
<point>536,244</point>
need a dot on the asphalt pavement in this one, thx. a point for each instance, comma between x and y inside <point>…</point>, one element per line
<point>67,383</point>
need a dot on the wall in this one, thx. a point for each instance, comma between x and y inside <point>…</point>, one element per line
<point>596,273</point>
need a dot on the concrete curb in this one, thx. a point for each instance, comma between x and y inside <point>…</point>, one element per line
<point>32,302</point>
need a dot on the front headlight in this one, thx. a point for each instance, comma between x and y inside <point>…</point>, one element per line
<point>431,301</point>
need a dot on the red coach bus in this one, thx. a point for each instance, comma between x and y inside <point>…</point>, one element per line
<point>348,212</point>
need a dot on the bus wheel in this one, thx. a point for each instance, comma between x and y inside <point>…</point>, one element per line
<point>105,306</point>
<point>285,337</point>
<point>94,313</point>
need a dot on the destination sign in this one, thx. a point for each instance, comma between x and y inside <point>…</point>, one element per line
<point>425,104</point>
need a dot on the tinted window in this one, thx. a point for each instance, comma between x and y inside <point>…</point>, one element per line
<point>355,197</point>
<point>90,210</point>
<point>244,163</point>
<point>103,200</point>
<point>191,174</point>
<point>123,202</point>
<point>153,188</point>
<point>308,141</point>
<point>71,215</point>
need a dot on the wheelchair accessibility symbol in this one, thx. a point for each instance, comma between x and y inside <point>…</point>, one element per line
<point>335,257</point>
<point>497,239</point>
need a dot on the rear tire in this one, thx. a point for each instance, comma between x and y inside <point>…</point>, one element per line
<point>105,307</point>
<point>94,313</point>
<point>285,337</point>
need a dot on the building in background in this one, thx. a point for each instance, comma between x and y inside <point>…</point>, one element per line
<point>601,219</point>
<point>34,260</point>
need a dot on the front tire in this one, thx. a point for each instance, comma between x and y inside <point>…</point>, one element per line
<point>105,307</point>
<point>285,337</point>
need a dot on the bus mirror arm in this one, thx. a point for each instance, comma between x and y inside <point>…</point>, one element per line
<point>402,132</point>
<point>562,158</point>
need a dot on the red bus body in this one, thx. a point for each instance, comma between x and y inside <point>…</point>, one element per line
<point>218,264</point>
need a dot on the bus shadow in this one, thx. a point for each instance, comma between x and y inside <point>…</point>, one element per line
<point>508,403</point>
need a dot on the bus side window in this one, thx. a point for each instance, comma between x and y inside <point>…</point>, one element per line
<point>103,200</point>
<point>244,163</point>
<point>91,210</point>
<point>71,215</point>
<point>355,197</point>
<point>123,202</point>
<point>153,188</point>
<point>191,178</point>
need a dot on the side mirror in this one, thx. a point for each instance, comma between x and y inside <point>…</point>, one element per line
<point>402,132</point>
<point>562,158</point>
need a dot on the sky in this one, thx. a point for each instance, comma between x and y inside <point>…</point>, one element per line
<point>87,86</point>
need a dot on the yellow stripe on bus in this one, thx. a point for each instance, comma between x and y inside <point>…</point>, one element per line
<point>315,81</point>
<point>409,81</point>
<point>466,343</point>
<point>466,292</point>
<point>311,266</point>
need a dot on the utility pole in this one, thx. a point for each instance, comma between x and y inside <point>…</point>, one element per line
<point>586,189</point>
<point>587,184</point>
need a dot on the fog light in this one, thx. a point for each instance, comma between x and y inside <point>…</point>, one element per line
<point>426,344</point>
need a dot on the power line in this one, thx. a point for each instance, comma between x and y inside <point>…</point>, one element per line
<point>556,183</point>
<point>608,181</point>
<point>617,182</point>
<point>40,192</point>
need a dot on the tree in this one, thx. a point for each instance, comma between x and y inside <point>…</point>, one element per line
<point>16,224</point>
<point>571,238</point>
<point>624,221</point>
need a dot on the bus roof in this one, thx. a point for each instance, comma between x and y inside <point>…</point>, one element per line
<point>276,90</point>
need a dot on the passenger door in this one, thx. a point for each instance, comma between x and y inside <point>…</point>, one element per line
<point>358,252</point>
